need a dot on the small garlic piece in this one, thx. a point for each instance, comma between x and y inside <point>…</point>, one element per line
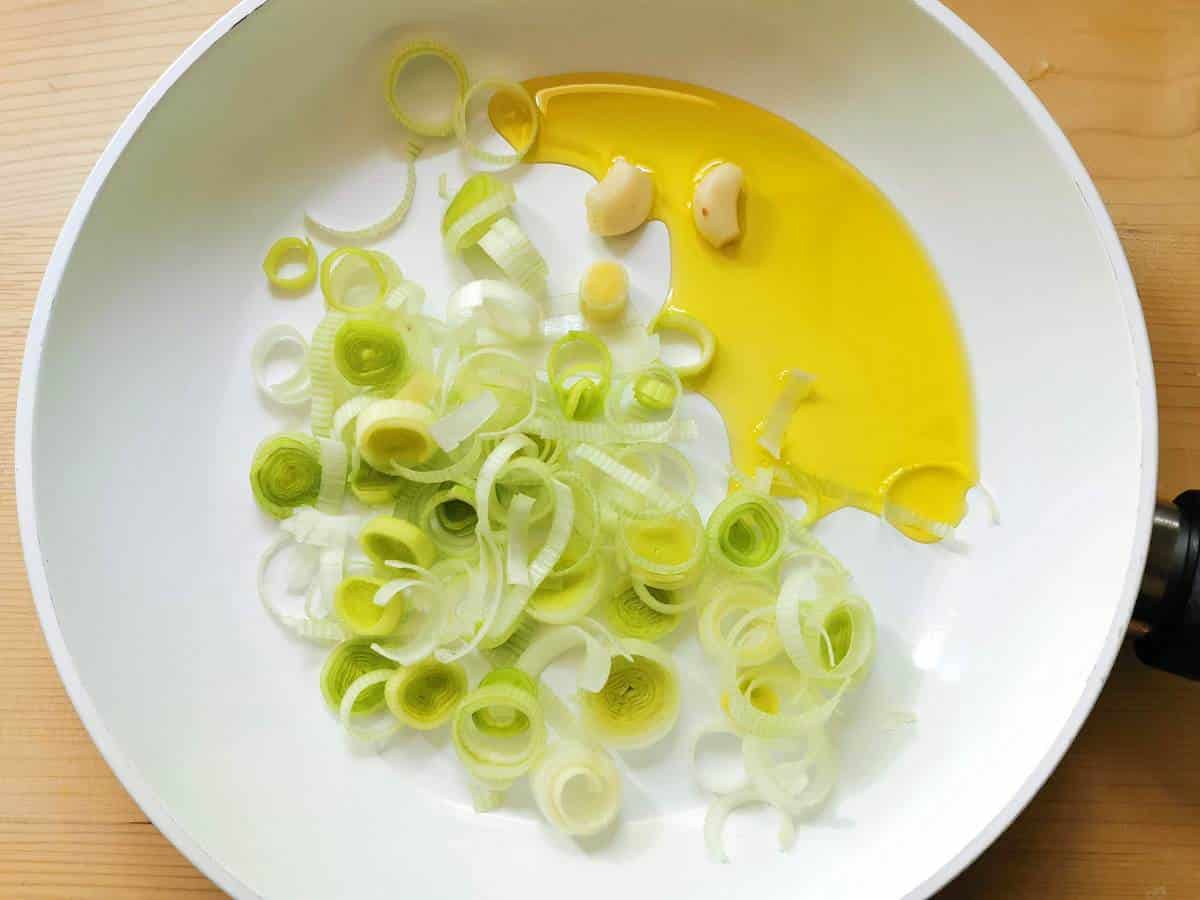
<point>715,204</point>
<point>604,292</point>
<point>621,201</point>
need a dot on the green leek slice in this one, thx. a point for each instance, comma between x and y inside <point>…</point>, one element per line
<point>355,605</point>
<point>425,695</point>
<point>426,128</point>
<point>639,703</point>
<point>369,353</point>
<point>481,200</point>
<point>565,598</point>
<point>679,321</point>
<point>346,663</point>
<point>387,539</point>
<point>631,617</point>
<point>286,474</point>
<point>663,551</point>
<point>394,434</point>
<point>580,372</point>
<point>280,253</point>
<point>748,533</point>
<point>447,515</point>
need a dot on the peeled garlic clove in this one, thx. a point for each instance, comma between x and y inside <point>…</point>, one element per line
<point>715,204</point>
<point>621,201</point>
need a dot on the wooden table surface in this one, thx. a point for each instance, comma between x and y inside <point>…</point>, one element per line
<point>1121,816</point>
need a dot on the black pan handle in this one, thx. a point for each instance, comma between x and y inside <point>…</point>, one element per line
<point>1166,618</point>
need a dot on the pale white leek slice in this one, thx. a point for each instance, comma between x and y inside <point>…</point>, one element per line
<point>422,624</point>
<point>703,781</point>
<point>554,642</point>
<point>498,305</point>
<point>317,529</point>
<point>296,389</point>
<point>464,421</point>
<point>516,598</point>
<point>499,730</point>
<point>346,415</point>
<point>417,124</point>
<point>375,230</point>
<point>490,588</point>
<point>519,539</point>
<point>582,810</point>
<point>507,245</point>
<point>335,464</point>
<point>323,374</point>
<point>718,812</point>
<point>827,635</point>
<point>794,706</point>
<point>303,626</point>
<point>381,726</point>
<point>738,622</point>
<point>797,386</point>
<point>795,774</point>
<point>635,483</point>
<point>485,482</point>
<point>510,89</point>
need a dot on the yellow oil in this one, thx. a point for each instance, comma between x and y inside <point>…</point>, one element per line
<point>827,278</point>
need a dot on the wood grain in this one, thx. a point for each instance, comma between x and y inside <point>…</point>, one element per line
<point>1121,816</point>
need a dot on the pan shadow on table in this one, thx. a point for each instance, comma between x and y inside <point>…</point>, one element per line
<point>1121,802</point>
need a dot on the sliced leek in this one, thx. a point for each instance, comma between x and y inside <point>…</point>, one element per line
<point>353,281</point>
<point>580,371</point>
<point>509,247</point>
<point>386,539</point>
<point>584,810</point>
<point>369,353</point>
<point>435,127</point>
<point>355,605</point>
<point>392,435</point>
<point>323,374</point>
<point>285,250</point>
<point>346,663</point>
<point>516,94</point>
<point>631,617</point>
<point>748,533</point>
<point>375,230</point>
<point>286,474</point>
<point>425,695</point>
<point>499,730</point>
<point>479,203</point>
<point>683,323</point>
<point>639,703</point>
<point>797,386</point>
<point>294,390</point>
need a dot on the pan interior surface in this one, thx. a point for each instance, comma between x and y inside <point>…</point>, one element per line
<point>143,419</point>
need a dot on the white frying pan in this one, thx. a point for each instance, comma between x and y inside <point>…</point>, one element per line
<point>137,418</point>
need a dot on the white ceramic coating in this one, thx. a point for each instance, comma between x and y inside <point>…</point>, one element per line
<point>137,420</point>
